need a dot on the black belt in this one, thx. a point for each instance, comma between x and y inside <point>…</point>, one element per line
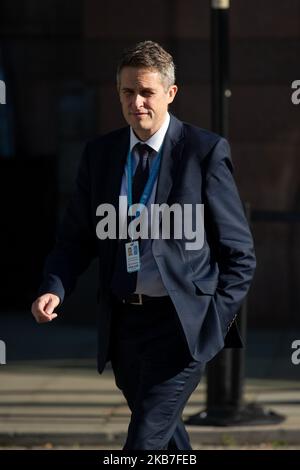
<point>141,299</point>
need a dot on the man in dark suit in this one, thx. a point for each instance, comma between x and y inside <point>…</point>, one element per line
<point>165,307</point>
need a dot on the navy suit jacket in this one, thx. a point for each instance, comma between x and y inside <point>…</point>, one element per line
<point>208,285</point>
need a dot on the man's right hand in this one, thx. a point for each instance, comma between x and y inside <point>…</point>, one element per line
<point>43,308</point>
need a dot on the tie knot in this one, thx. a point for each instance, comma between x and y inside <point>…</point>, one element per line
<point>143,151</point>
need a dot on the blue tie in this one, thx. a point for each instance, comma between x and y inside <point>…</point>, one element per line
<point>141,174</point>
<point>124,283</point>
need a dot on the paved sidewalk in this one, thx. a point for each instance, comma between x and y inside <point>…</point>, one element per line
<point>61,400</point>
<point>68,403</point>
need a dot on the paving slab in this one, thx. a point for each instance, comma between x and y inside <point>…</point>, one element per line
<point>53,403</point>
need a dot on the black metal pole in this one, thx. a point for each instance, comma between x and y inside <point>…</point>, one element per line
<point>220,66</point>
<point>225,373</point>
<point>219,370</point>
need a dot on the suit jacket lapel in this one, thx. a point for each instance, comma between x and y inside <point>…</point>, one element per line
<point>117,153</point>
<point>171,154</point>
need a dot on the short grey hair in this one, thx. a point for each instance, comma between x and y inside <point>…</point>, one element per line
<point>150,55</point>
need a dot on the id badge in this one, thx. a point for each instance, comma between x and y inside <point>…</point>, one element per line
<point>133,261</point>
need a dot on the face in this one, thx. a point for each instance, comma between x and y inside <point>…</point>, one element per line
<point>144,99</point>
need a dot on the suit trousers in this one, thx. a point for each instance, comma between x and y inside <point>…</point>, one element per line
<point>155,371</point>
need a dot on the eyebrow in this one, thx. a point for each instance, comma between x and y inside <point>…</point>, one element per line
<point>143,89</point>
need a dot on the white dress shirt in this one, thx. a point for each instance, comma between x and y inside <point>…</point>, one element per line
<point>149,281</point>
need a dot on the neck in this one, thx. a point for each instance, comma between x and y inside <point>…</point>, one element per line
<point>144,135</point>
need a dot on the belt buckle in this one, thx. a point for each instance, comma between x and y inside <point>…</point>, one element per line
<point>140,301</point>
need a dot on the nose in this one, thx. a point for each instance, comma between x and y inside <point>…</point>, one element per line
<point>138,101</point>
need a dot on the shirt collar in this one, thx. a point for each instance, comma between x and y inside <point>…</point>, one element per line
<point>156,140</point>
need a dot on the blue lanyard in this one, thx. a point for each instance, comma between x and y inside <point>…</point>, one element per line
<point>150,183</point>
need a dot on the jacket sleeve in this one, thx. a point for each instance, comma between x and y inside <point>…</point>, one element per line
<point>231,238</point>
<point>75,243</point>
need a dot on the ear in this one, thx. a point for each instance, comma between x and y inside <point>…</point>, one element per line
<point>172,93</point>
